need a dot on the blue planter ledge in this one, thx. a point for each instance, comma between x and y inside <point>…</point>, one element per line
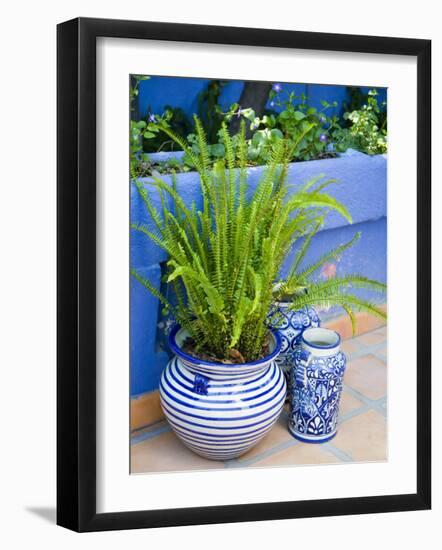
<point>362,188</point>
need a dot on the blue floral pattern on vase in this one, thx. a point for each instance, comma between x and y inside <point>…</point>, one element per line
<point>290,325</point>
<point>315,394</point>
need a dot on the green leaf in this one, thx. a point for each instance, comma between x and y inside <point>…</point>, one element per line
<point>249,114</point>
<point>276,134</point>
<point>299,115</point>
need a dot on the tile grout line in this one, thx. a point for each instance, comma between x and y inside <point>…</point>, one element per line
<point>380,356</point>
<point>375,404</point>
<point>338,453</point>
<point>355,412</point>
<point>371,349</point>
<point>136,439</point>
<point>238,463</point>
<point>362,397</point>
<point>148,426</point>
<point>368,404</point>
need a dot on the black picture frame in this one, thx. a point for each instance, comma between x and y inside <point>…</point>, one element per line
<point>76,273</point>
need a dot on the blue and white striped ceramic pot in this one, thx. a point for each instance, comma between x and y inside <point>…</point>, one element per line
<point>317,377</point>
<point>290,325</point>
<point>221,410</point>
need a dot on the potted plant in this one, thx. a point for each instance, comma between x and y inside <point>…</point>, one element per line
<point>222,391</point>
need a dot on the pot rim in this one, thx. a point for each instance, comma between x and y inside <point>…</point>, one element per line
<point>327,347</point>
<point>287,303</point>
<point>192,359</point>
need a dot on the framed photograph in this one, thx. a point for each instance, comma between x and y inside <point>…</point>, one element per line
<point>243,274</point>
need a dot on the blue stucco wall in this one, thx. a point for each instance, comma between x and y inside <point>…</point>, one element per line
<point>361,187</point>
<point>159,91</point>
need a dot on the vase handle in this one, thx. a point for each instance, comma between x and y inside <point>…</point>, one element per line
<point>200,384</point>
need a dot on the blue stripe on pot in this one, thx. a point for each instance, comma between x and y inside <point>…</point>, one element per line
<point>184,399</point>
<point>223,413</point>
<point>250,394</point>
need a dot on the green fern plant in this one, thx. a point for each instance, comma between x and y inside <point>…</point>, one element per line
<point>224,259</point>
<point>300,289</point>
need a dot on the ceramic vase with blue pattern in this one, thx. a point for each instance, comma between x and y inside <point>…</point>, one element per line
<point>290,325</point>
<point>317,377</point>
<point>219,410</point>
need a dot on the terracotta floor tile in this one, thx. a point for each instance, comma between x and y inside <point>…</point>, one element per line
<point>350,346</point>
<point>341,325</point>
<point>363,437</point>
<point>365,323</point>
<point>371,338</point>
<point>166,453</point>
<point>348,403</point>
<point>278,434</point>
<point>367,375</point>
<point>382,330</point>
<point>299,453</point>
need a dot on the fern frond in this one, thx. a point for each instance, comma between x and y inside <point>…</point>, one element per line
<point>322,200</point>
<point>326,294</point>
<point>347,281</point>
<point>352,317</point>
<point>183,144</point>
<point>154,214</point>
<point>153,290</point>
<point>332,254</point>
<point>305,247</point>
<point>307,130</point>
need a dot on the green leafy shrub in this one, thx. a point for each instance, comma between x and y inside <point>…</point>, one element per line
<point>355,100</point>
<point>296,121</point>
<point>137,155</point>
<point>175,118</point>
<point>367,130</point>
<point>302,127</point>
<point>146,135</point>
<point>316,134</point>
<point>224,260</point>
